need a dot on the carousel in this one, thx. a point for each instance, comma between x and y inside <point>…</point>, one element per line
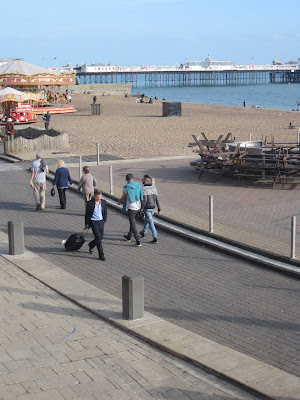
<point>43,89</point>
<point>13,106</point>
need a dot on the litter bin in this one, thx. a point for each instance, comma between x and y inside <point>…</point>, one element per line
<point>96,109</point>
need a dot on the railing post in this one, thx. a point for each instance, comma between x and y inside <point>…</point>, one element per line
<point>80,167</point>
<point>211,214</point>
<point>111,187</point>
<point>16,238</point>
<point>293,238</point>
<point>98,154</point>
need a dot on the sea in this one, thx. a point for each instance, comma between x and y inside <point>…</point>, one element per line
<point>277,96</point>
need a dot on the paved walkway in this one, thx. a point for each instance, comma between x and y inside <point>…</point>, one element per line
<point>229,301</point>
<point>250,213</point>
<point>52,349</point>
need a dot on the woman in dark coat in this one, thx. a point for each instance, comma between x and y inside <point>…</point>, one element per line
<point>61,181</point>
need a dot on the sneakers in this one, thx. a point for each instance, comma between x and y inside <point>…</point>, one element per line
<point>126,238</point>
<point>142,234</point>
<point>90,250</point>
<point>154,240</point>
<point>137,244</point>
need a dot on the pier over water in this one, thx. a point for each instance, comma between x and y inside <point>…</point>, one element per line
<point>185,75</point>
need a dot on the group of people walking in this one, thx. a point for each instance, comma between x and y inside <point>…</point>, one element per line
<point>135,199</point>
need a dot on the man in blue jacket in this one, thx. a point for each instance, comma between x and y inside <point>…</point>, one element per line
<point>46,119</point>
<point>131,199</point>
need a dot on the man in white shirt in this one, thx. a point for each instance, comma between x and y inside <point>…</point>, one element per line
<point>95,218</point>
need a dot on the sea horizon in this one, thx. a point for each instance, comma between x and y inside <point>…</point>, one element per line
<point>277,96</point>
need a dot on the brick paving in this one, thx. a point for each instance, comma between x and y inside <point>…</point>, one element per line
<point>52,349</point>
<point>251,213</point>
<point>232,302</point>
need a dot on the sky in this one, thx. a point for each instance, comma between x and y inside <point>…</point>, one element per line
<point>150,32</point>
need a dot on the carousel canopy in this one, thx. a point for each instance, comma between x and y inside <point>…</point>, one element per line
<point>20,73</point>
<point>10,94</point>
<point>24,68</point>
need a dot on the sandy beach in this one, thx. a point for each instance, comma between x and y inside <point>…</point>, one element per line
<point>131,130</point>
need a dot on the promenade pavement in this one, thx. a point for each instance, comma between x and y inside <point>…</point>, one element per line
<point>254,214</point>
<point>221,298</point>
<point>50,348</point>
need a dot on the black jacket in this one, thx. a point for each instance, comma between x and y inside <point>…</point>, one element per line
<point>150,198</point>
<point>90,206</point>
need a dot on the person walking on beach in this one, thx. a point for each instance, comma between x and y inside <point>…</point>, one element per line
<point>95,218</point>
<point>61,180</point>
<point>10,129</point>
<point>131,199</point>
<point>150,199</point>
<point>86,184</point>
<point>244,103</point>
<point>38,181</point>
<point>94,99</point>
<point>46,119</point>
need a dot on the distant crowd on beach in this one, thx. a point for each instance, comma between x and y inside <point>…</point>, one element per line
<point>141,98</point>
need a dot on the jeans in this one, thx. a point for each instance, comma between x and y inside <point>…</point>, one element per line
<point>133,228</point>
<point>149,222</point>
<point>98,231</point>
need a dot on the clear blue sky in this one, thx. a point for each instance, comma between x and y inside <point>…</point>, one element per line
<point>146,32</point>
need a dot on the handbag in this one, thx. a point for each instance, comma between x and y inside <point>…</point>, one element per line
<point>139,216</point>
<point>52,192</point>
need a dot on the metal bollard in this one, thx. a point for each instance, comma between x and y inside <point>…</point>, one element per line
<point>16,238</point>
<point>80,167</point>
<point>211,214</point>
<point>133,296</point>
<point>98,154</point>
<point>111,187</point>
<point>293,238</point>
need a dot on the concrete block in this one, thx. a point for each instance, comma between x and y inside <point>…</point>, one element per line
<point>171,109</point>
<point>16,237</point>
<point>133,296</point>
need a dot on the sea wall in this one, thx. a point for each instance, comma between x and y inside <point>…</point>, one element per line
<point>99,89</point>
<point>36,141</point>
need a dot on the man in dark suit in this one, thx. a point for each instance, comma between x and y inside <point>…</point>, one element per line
<point>95,218</point>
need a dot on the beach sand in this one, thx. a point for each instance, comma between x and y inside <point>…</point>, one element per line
<point>132,130</point>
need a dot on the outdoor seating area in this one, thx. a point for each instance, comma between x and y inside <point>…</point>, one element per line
<point>268,162</point>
